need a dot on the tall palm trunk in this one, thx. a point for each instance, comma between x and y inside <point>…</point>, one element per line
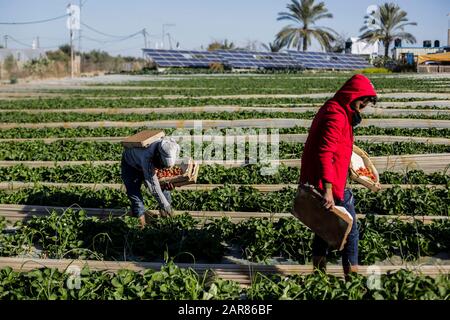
<point>386,49</point>
<point>305,39</point>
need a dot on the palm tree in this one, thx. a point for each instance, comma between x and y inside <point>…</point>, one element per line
<point>338,44</point>
<point>305,13</point>
<point>221,45</point>
<point>274,46</point>
<point>388,23</point>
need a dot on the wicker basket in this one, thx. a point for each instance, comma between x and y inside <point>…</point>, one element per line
<point>189,174</point>
<point>361,159</point>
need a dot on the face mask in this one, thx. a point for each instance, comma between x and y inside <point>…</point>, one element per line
<point>356,119</point>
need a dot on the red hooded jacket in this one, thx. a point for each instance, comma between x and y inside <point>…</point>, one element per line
<point>328,148</point>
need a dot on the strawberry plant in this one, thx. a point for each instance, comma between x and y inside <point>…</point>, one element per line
<point>74,235</point>
<point>70,150</point>
<point>123,132</point>
<point>415,201</point>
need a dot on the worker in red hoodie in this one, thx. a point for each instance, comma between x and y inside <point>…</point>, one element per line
<point>326,160</point>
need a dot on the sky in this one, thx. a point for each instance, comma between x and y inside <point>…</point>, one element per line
<point>194,23</point>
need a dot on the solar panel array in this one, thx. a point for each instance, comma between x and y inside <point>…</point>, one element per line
<point>328,60</point>
<point>253,59</point>
<point>183,58</point>
<point>240,59</point>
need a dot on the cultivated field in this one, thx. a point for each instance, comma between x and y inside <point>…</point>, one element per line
<point>62,202</point>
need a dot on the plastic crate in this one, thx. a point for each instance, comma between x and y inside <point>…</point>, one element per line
<point>143,139</point>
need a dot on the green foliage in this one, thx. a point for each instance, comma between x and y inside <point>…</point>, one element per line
<point>401,285</point>
<point>174,283</point>
<point>71,150</point>
<point>375,70</point>
<point>74,235</point>
<point>415,201</point>
<point>123,132</point>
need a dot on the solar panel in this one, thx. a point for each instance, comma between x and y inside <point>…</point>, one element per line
<point>329,60</point>
<point>255,59</point>
<point>182,58</point>
<point>241,59</point>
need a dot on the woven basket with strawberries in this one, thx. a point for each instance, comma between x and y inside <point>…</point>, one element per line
<point>363,171</point>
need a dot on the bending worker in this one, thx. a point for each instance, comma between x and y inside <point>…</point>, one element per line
<point>139,165</point>
<point>326,160</point>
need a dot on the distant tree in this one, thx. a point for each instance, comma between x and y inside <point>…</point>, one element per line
<point>58,55</point>
<point>252,45</point>
<point>389,23</point>
<point>65,48</point>
<point>10,64</point>
<point>221,45</point>
<point>274,46</point>
<point>305,13</point>
<point>338,44</point>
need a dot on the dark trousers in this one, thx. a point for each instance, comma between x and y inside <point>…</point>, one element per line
<point>350,252</point>
<point>133,179</point>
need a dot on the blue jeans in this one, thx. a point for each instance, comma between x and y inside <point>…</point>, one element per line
<point>133,179</point>
<point>350,252</point>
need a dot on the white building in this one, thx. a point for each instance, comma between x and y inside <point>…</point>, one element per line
<point>364,47</point>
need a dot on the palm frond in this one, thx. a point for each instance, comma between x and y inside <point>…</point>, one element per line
<point>304,13</point>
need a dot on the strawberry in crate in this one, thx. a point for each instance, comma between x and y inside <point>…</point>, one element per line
<point>365,172</point>
<point>169,172</point>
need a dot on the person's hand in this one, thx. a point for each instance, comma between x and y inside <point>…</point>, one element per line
<point>165,213</point>
<point>328,199</point>
<point>168,186</point>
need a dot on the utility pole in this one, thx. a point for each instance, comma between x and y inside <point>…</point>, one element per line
<point>73,23</point>
<point>448,31</point>
<point>164,30</point>
<point>71,45</point>
<point>6,41</point>
<point>71,53</point>
<point>170,40</point>
<point>144,33</point>
<point>79,40</point>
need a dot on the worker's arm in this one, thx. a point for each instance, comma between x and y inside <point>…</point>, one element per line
<point>152,183</point>
<point>333,123</point>
<point>328,146</point>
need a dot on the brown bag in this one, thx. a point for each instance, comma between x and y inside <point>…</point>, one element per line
<point>333,225</point>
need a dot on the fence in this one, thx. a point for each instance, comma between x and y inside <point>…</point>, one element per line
<point>432,69</point>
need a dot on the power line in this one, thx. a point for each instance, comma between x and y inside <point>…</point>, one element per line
<point>36,21</point>
<point>19,42</point>
<point>124,49</point>
<point>100,32</point>
<point>103,41</point>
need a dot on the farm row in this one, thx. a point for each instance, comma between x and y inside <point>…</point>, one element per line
<point>419,200</point>
<point>215,174</point>
<point>23,117</point>
<point>247,85</point>
<point>74,235</point>
<point>91,150</point>
<point>174,283</point>
<point>61,132</point>
<point>160,102</point>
